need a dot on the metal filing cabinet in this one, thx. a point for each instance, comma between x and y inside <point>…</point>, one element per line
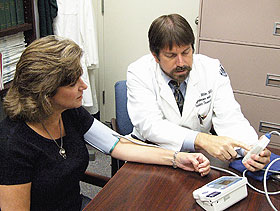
<point>245,37</point>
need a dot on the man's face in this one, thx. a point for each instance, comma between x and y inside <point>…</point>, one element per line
<point>177,62</point>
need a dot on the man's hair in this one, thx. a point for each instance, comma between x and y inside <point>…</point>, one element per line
<point>45,65</point>
<point>168,30</point>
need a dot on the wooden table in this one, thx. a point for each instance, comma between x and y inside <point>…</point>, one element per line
<point>151,187</point>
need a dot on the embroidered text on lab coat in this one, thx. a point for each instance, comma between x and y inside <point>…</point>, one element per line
<point>205,97</point>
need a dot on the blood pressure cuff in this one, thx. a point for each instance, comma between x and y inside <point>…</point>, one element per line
<point>101,137</point>
<point>258,175</point>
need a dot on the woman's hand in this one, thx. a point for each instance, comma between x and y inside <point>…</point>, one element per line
<point>193,162</point>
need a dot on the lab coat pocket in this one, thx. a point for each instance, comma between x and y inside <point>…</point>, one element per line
<point>204,116</point>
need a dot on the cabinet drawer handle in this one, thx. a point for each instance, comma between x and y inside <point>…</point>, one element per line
<point>266,127</point>
<point>196,20</point>
<point>276,30</point>
<point>273,80</point>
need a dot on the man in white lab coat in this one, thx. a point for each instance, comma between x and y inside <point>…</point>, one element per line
<point>204,98</point>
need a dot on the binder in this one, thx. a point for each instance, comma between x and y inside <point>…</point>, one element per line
<point>7,13</point>
<point>19,11</point>
<point>2,15</point>
<point>13,15</point>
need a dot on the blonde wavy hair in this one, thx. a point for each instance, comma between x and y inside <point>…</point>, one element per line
<point>45,65</point>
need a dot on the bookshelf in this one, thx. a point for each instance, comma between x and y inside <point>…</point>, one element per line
<point>28,27</point>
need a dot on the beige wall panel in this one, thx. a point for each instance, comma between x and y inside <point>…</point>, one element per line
<point>238,20</point>
<point>257,110</point>
<point>247,66</point>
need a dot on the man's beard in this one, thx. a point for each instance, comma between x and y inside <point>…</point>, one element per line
<point>181,78</point>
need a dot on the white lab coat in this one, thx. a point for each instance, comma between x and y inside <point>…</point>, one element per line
<point>155,114</point>
<point>75,20</point>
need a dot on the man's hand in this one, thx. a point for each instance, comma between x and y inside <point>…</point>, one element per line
<point>258,162</point>
<point>193,162</point>
<point>220,147</point>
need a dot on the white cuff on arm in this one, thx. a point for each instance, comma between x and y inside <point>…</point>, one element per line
<point>188,144</point>
<point>101,137</point>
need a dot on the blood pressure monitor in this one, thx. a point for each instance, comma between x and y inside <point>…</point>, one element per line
<point>221,193</point>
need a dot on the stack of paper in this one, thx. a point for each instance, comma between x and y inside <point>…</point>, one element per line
<point>11,48</point>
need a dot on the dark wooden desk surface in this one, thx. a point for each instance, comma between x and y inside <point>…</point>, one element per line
<point>151,187</point>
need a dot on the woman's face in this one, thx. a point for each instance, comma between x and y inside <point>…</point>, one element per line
<point>68,97</point>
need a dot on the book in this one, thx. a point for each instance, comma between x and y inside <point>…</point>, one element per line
<point>2,15</point>
<point>13,15</point>
<point>19,11</point>
<point>7,13</point>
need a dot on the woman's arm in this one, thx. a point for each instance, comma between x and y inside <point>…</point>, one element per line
<point>126,150</point>
<point>15,197</point>
<point>103,138</point>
